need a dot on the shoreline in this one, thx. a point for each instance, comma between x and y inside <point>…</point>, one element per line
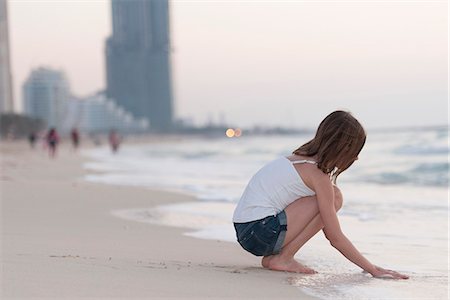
<point>59,239</point>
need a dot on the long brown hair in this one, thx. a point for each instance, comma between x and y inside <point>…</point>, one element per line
<point>337,143</point>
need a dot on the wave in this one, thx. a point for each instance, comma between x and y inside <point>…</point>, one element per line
<point>421,150</point>
<point>425,174</point>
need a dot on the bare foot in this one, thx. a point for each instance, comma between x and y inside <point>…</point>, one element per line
<point>266,260</point>
<point>278,263</point>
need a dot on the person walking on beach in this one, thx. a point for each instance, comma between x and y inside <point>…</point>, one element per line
<point>52,139</point>
<point>292,198</point>
<point>75,137</point>
<point>32,137</point>
<point>114,140</point>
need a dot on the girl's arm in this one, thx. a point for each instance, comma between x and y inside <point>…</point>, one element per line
<point>325,197</point>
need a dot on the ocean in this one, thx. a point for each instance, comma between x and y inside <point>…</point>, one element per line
<point>396,204</point>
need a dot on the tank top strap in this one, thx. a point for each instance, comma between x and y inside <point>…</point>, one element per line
<point>303,161</point>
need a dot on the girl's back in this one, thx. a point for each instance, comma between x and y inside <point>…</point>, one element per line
<point>270,190</point>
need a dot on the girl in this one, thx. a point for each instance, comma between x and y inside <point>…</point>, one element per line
<point>292,198</point>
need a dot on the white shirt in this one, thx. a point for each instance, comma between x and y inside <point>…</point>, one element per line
<point>271,190</point>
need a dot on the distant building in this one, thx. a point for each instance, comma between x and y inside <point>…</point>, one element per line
<point>47,97</point>
<point>6,92</point>
<point>97,114</point>
<point>138,60</point>
<point>45,94</point>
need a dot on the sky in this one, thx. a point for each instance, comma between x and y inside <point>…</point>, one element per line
<point>266,63</point>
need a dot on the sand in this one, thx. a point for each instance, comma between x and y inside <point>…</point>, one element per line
<point>59,240</point>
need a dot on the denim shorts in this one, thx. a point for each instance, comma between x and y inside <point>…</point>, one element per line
<point>263,237</point>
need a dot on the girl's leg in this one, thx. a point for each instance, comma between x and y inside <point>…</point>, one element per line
<point>304,222</point>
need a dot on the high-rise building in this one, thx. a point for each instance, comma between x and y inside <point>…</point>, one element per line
<point>97,114</point>
<point>6,92</point>
<point>47,97</point>
<point>138,60</point>
<point>46,93</point>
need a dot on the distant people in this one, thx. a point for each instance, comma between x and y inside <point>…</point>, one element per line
<point>32,139</point>
<point>75,137</point>
<point>52,142</point>
<point>114,140</point>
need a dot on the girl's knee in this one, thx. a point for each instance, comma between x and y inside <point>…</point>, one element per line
<point>338,198</point>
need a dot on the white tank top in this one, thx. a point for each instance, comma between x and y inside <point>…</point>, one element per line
<point>271,190</point>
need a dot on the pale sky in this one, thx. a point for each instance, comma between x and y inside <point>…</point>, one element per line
<point>285,63</point>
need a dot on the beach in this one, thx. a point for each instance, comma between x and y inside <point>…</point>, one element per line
<point>154,220</point>
<point>60,240</point>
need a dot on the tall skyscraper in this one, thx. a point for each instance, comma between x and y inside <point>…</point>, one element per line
<point>138,60</point>
<point>6,92</point>
<point>46,93</point>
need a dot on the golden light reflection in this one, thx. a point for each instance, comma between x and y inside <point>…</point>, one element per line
<point>233,132</point>
<point>230,132</point>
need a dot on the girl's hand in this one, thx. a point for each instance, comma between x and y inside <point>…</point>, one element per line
<point>383,273</point>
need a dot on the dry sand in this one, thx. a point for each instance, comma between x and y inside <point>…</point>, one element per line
<point>60,240</point>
